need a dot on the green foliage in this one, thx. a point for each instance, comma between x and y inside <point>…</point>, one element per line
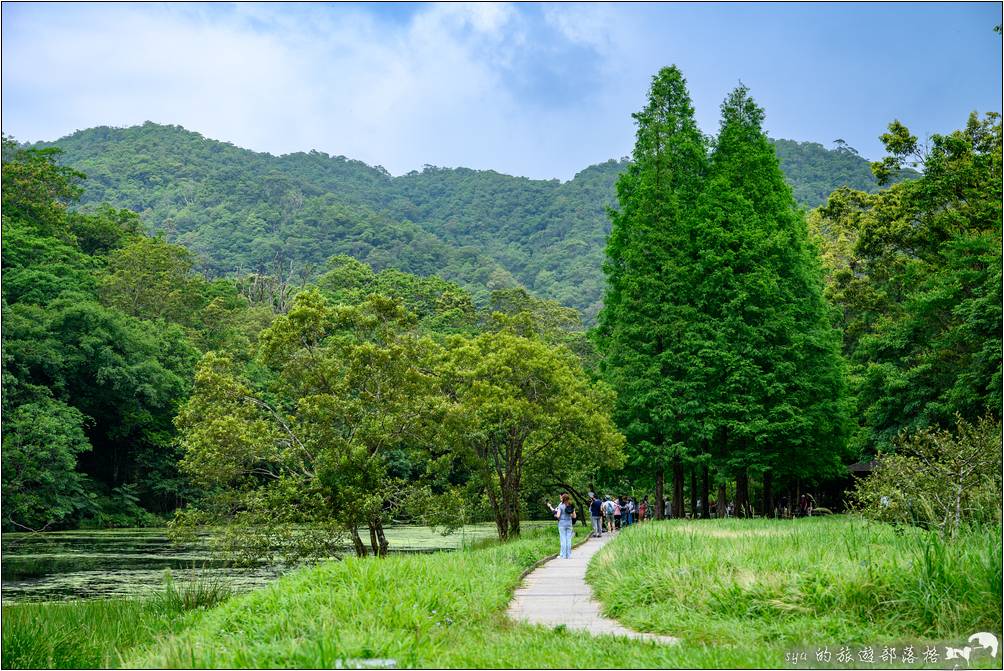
<point>342,390</point>
<point>938,479</point>
<point>80,634</point>
<point>439,305</point>
<point>151,279</point>
<point>41,441</point>
<point>237,209</point>
<point>714,329</point>
<point>771,372</point>
<point>99,633</point>
<point>916,272</point>
<point>524,409</point>
<point>644,329</point>
<point>814,172</point>
<point>91,389</point>
<point>36,189</point>
<point>204,592</point>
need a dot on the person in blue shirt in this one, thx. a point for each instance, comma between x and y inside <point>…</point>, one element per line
<point>565,514</point>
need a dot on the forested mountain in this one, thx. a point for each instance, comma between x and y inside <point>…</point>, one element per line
<point>236,208</point>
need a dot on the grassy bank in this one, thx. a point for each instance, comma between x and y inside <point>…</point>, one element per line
<point>739,593</point>
<point>755,584</point>
<point>99,633</point>
<point>445,610</point>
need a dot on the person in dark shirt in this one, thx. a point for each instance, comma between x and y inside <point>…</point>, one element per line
<point>596,513</point>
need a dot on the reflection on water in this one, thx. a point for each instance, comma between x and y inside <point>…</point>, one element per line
<point>129,562</point>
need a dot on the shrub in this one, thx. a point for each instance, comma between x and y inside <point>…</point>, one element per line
<point>937,479</point>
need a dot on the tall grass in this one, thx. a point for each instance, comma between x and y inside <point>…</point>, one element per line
<point>443,611</point>
<point>96,634</point>
<point>739,593</point>
<point>804,582</point>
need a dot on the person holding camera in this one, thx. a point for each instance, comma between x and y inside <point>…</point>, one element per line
<point>565,514</point>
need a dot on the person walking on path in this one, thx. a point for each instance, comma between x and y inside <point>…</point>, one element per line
<point>618,510</point>
<point>608,513</point>
<point>643,509</point>
<point>565,514</point>
<point>596,514</point>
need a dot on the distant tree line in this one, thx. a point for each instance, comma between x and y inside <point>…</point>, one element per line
<point>237,209</point>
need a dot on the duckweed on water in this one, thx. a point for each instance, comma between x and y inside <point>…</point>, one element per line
<point>129,563</point>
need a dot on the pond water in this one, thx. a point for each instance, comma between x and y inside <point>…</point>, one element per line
<point>114,563</point>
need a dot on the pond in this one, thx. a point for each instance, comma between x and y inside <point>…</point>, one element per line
<point>114,563</point>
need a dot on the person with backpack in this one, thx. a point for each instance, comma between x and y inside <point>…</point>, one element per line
<point>618,510</point>
<point>608,513</point>
<point>565,514</point>
<point>596,513</point>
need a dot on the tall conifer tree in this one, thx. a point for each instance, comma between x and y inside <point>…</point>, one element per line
<point>648,302</point>
<point>774,380</point>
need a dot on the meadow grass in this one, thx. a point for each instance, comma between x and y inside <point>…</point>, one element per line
<point>833,581</point>
<point>445,610</point>
<point>739,593</point>
<point>96,634</point>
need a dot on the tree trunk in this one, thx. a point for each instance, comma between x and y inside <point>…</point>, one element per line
<point>693,493</point>
<point>374,545</point>
<point>722,503</point>
<point>660,492</point>
<point>677,488</point>
<point>706,510</point>
<point>768,494</point>
<point>742,493</point>
<point>501,525</point>
<point>357,542</point>
<point>377,534</point>
<point>510,499</point>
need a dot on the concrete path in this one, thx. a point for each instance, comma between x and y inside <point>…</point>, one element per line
<point>557,593</point>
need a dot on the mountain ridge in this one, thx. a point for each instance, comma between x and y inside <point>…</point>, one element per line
<point>238,208</point>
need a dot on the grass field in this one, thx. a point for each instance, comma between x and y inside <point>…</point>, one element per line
<point>829,581</point>
<point>739,593</point>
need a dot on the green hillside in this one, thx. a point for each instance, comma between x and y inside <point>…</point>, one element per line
<point>238,209</point>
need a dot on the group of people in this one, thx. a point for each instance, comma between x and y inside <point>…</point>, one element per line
<point>613,513</point>
<point>616,512</point>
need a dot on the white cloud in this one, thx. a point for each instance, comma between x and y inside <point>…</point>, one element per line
<point>397,91</point>
<point>541,90</point>
<point>588,24</point>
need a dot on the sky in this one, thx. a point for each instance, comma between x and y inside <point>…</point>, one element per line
<point>537,90</point>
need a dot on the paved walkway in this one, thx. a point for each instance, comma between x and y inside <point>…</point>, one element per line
<point>557,593</point>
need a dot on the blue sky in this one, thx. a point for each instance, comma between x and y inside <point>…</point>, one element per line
<point>540,90</point>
